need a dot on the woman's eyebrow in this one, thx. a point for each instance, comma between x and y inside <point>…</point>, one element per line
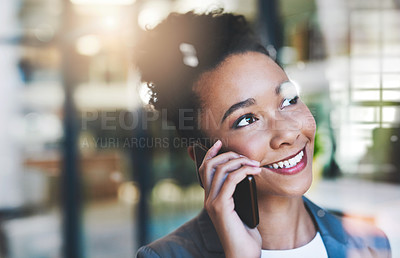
<point>234,107</point>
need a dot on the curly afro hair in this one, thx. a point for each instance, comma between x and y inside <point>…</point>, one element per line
<point>162,59</point>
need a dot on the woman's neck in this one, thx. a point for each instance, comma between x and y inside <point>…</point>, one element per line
<point>284,223</point>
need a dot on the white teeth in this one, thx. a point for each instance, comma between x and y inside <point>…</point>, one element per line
<point>288,163</point>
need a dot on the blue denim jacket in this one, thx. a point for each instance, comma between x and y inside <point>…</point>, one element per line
<point>342,237</point>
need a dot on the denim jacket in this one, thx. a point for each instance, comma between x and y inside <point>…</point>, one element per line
<point>342,237</point>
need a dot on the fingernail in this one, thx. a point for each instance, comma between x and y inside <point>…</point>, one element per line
<point>255,162</point>
<point>217,143</point>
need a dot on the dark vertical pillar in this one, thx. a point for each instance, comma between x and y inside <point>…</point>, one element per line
<point>270,25</point>
<point>142,157</point>
<point>70,177</point>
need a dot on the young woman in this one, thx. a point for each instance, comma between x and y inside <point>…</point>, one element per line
<point>213,65</point>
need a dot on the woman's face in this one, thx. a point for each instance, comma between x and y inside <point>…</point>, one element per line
<point>252,108</point>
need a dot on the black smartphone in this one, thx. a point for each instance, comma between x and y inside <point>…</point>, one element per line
<point>245,195</point>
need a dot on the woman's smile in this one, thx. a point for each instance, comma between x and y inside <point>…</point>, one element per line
<point>290,165</point>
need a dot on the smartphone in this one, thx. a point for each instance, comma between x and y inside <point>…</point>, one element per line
<point>245,195</point>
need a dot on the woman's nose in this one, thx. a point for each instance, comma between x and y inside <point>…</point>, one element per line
<point>285,131</point>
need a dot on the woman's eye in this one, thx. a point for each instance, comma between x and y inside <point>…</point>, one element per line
<point>244,120</point>
<point>288,102</point>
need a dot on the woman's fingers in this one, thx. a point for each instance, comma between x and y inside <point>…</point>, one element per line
<point>220,198</point>
<point>213,150</point>
<point>211,161</point>
<point>214,167</point>
<point>234,178</point>
<point>222,170</point>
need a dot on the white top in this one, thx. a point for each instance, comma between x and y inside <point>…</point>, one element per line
<point>314,249</point>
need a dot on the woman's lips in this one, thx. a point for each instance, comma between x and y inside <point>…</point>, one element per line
<point>291,165</point>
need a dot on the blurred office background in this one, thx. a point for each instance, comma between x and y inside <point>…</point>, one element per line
<point>87,172</point>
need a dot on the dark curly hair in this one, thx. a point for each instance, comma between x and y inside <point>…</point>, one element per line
<point>161,52</point>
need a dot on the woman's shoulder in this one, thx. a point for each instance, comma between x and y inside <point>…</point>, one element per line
<point>355,237</point>
<point>176,244</point>
<point>189,240</point>
<point>363,235</point>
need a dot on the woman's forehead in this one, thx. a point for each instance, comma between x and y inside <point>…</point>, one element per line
<point>240,76</point>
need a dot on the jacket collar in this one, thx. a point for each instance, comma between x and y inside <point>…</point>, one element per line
<point>330,228</point>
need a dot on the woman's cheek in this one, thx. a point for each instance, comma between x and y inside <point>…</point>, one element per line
<point>250,145</point>
<point>304,120</point>
<point>309,124</point>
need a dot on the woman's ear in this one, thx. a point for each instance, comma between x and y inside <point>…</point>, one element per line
<point>190,152</point>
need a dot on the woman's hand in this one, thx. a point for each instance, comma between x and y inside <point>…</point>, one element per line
<point>220,175</point>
